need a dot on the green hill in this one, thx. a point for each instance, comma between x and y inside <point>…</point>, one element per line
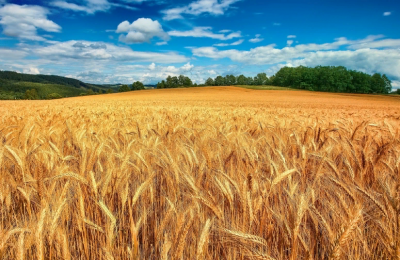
<point>14,85</point>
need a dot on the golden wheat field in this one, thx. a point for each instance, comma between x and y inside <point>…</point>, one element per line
<point>201,173</point>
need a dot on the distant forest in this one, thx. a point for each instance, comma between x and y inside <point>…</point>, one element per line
<point>320,78</point>
<point>15,85</point>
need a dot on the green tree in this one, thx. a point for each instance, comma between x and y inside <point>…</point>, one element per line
<point>137,85</point>
<point>124,88</point>
<point>31,95</point>
<point>230,80</point>
<point>210,82</point>
<point>261,79</point>
<point>388,84</point>
<point>219,81</point>
<point>161,84</point>
<point>241,80</point>
<point>187,82</point>
<point>109,91</point>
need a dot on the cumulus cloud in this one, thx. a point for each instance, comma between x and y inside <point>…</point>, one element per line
<point>229,44</point>
<point>141,30</point>
<point>289,42</point>
<point>23,21</point>
<point>161,43</point>
<point>31,71</point>
<point>95,62</point>
<point>213,7</point>
<point>291,36</point>
<point>85,50</point>
<point>256,39</point>
<point>387,13</point>
<point>205,32</point>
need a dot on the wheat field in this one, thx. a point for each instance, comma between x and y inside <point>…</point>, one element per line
<point>201,173</point>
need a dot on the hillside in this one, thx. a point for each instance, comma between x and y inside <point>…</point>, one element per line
<point>14,85</point>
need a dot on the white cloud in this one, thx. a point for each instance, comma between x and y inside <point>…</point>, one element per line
<point>90,6</point>
<point>289,42</point>
<point>230,44</point>
<point>387,13</point>
<point>141,30</point>
<point>152,66</point>
<point>205,32</point>
<point>213,7</point>
<point>31,71</point>
<point>161,43</point>
<point>291,36</point>
<point>379,58</point>
<point>276,24</point>
<point>23,21</point>
<point>257,39</point>
<point>92,51</point>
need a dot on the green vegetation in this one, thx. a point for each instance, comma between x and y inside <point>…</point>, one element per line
<point>320,78</point>
<point>332,79</point>
<point>175,82</point>
<point>53,96</point>
<point>15,85</point>
<point>124,88</point>
<point>137,85</point>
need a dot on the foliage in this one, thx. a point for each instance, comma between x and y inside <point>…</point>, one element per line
<point>137,85</point>
<point>210,82</point>
<point>53,96</point>
<point>175,82</point>
<point>124,88</point>
<point>320,78</point>
<point>332,79</point>
<point>31,94</point>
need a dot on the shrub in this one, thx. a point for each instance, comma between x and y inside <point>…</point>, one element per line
<point>53,96</point>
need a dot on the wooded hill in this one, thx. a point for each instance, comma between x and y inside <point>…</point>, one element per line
<point>15,85</point>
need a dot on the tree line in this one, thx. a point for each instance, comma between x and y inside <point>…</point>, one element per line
<point>320,78</point>
<point>135,86</point>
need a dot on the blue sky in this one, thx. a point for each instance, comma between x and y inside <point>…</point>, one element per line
<point>121,41</point>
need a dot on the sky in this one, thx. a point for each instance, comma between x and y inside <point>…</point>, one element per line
<point>122,41</point>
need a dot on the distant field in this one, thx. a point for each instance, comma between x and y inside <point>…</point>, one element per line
<point>201,173</point>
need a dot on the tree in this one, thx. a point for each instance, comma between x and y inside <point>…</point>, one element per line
<point>219,81</point>
<point>241,80</point>
<point>210,82</point>
<point>161,84</point>
<point>31,95</point>
<point>261,79</point>
<point>137,85</point>
<point>100,91</point>
<point>124,88</point>
<point>109,91</point>
<point>388,84</point>
<point>230,80</point>
<point>187,82</point>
